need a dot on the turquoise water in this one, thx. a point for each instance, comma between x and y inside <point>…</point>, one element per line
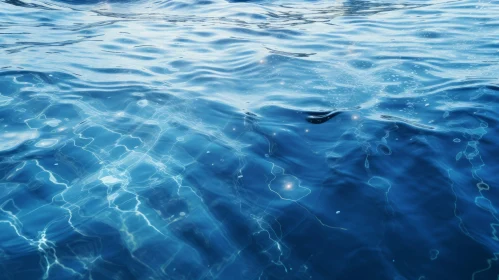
<point>249,139</point>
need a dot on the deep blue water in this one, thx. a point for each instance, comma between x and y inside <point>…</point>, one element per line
<point>249,139</point>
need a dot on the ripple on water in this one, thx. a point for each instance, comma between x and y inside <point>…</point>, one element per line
<point>11,140</point>
<point>46,143</point>
<point>142,103</point>
<point>379,183</point>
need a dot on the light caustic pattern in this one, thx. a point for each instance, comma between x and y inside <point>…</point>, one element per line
<point>248,140</point>
<point>151,173</point>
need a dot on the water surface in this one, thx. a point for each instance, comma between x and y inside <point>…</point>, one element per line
<point>249,139</point>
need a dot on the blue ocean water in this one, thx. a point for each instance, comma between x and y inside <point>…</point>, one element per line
<point>215,139</point>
